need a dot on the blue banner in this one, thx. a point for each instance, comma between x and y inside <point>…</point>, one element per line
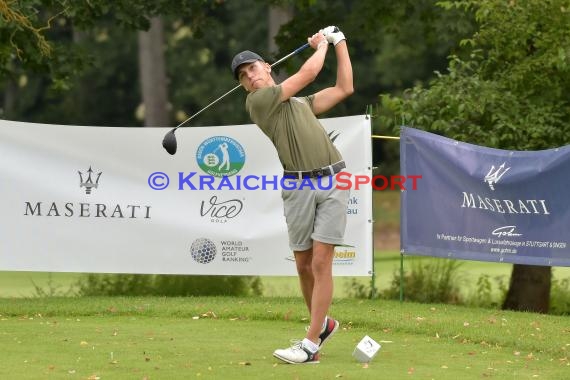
<point>484,204</point>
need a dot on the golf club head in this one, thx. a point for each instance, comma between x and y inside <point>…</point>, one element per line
<point>169,142</point>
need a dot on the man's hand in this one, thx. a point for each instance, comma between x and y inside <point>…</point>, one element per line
<point>333,34</point>
<point>316,40</point>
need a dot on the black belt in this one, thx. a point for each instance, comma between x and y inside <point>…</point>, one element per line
<point>325,171</point>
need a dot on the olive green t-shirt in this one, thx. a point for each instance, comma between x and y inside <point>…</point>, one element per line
<point>301,141</point>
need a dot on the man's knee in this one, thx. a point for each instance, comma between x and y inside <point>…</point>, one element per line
<point>304,268</point>
<point>322,267</point>
<point>322,259</point>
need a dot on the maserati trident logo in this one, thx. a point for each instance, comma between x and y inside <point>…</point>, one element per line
<point>88,182</point>
<point>495,175</point>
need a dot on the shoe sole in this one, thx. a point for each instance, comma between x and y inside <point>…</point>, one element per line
<point>330,335</point>
<point>292,362</point>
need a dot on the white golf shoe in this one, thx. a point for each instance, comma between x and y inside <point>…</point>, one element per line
<point>297,354</point>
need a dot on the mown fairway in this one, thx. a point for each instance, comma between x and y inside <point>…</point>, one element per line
<point>233,338</point>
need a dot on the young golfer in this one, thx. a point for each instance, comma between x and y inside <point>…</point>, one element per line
<point>316,219</point>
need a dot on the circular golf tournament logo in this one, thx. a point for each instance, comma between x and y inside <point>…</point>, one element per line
<point>203,250</point>
<point>220,156</point>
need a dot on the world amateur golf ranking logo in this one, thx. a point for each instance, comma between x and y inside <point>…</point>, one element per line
<point>220,156</point>
<point>203,250</point>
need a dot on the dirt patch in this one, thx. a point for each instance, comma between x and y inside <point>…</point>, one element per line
<point>387,238</point>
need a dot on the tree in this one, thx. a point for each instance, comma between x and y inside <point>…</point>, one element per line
<point>509,92</point>
<point>22,36</point>
<point>41,63</point>
<point>277,17</point>
<point>153,75</point>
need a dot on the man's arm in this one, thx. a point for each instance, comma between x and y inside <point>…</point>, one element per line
<point>310,69</point>
<point>325,99</point>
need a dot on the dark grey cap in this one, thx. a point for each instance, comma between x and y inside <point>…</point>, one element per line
<point>245,56</point>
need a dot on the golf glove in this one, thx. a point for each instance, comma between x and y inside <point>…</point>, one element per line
<point>333,34</point>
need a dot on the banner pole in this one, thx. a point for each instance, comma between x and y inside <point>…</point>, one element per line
<point>373,279</point>
<point>368,113</point>
<point>401,277</point>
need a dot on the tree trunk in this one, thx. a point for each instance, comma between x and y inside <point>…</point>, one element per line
<point>10,99</point>
<point>278,15</point>
<point>529,289</point>
<point>153,75</point>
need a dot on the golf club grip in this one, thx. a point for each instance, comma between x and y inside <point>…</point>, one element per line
<point>301,48</point>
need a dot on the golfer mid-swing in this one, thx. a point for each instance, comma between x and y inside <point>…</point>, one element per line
<point>316,219</point>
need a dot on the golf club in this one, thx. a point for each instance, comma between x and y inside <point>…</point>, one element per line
<point>169,142</point>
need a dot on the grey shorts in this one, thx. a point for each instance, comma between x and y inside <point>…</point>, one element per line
<point>315,214</point>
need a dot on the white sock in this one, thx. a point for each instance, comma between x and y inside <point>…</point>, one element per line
<point>307,343</point>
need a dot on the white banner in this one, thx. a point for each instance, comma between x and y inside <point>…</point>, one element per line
<point>111,200</point>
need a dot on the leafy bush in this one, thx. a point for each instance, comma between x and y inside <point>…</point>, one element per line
<point>429,280</point>
<point>167,285</point>
<point>438,280</point>
<point>356,289</point>
<point>485,294</point>
<point>52,289</point>
<point>560,297</point>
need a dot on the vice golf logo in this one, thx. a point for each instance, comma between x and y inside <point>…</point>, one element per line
<point>88,182</point>
<point>220,156</point>
<point>203,250</point>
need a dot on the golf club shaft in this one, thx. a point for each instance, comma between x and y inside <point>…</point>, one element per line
<point>296,51</point>
<point>208,106</point>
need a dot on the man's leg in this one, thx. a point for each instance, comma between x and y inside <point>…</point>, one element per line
<point>303,352</point>
<point>304,262</point>
<point>321,297</point>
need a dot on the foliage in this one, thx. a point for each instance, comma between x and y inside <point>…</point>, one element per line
<point>167,285</point>
<point>510,91</point>
<point>393,45</point>
<point>105,92</point>
<point>20,22</point>
<point>359,290</point>
<point>485,294</point>
<point>37,36</point>
<point>428,280</point>
<point>52,289</point>
<point>560,297</point>
<point>97,82</point>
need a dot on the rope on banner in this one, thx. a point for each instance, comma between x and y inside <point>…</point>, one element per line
<point>385,137</point>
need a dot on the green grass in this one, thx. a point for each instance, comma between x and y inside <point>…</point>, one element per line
<point>233,338</point>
